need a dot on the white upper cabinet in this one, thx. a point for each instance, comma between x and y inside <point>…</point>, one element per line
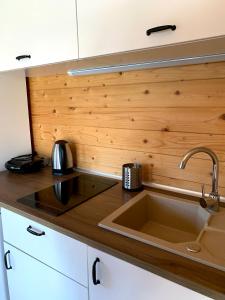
<point>37,32</point>
<point>114,26</point>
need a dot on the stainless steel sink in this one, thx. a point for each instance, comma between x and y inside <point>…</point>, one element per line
<point>171,223</point>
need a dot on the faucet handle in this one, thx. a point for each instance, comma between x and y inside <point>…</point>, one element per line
<point>210,202</point>
<point>203,191</point>
<point>203,200</point>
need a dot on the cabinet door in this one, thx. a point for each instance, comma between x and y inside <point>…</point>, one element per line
<point>120,280</point>
<point>43,30</point>
<point>3,281</point>
<point>30,279</point>
<point>120,25</point>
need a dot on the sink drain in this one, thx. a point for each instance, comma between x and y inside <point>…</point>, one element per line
<point>193,247</point>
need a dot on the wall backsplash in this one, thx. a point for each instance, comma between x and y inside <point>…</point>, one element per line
<point>150,116</point>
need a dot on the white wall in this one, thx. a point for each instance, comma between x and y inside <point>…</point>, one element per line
<point>14,118</point>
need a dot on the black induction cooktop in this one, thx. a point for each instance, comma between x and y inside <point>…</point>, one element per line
<point>62,196</point>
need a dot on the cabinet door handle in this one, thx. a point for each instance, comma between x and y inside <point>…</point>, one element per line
<point>35,231</point>
<point>7,265</point>
<point>94,276</point>
<point>23,57</point>
<point>160,28</point>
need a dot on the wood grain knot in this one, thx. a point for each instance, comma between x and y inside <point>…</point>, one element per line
<point>145,141</point>
<point>146,92</point>
<point>72,107</point>
<point>177,92</point>
<point>54,111</point>
<point>222,117</point>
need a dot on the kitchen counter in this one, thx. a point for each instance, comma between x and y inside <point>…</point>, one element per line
<point>81,224</point>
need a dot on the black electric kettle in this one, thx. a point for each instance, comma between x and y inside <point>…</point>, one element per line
<point>62,159</point>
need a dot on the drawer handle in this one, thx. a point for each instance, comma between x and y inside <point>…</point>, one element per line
<point>23,57</point>
<point>35,231</point>
<point>160,28</point>
<point>94,276</point>
<point>6,260</point>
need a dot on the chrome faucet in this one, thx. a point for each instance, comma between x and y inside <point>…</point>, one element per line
<point>211,203</point>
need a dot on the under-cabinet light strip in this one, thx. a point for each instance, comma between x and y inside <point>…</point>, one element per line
<point>147,65</point>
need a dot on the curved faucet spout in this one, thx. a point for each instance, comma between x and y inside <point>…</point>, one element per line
<point>215,161</point>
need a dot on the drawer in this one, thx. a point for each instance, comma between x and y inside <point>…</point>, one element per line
<point>29,279</point>
<point>56,250</point>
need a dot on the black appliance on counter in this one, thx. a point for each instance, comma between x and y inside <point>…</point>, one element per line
<point>65,195</point>
<point>27,163</point>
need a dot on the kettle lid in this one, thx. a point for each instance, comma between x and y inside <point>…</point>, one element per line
<point>61,142</point>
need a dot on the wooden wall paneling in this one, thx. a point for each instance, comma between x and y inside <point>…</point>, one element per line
<point>110,160</point>
<point>150,116</point>
<point>161,142</point>
<point>189,120</point>
<point>190,93</point>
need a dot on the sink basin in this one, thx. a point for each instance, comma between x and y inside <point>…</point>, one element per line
<point>174,224</point>
<point>156,215</point>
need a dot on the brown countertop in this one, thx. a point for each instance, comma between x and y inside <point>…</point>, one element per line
<point>81,223</point>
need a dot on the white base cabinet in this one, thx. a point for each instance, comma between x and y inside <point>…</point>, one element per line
<point>119,280</point>
<point>4,293</point>
<point>43,264</point>
<point>29,279</point>
<point>54,249</point>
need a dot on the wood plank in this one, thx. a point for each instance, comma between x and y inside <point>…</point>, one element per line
<point>111,160</point>
<point>191,72</point>
<point>171,143</point>
<point>198,120</point>
<point>199,93</point>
